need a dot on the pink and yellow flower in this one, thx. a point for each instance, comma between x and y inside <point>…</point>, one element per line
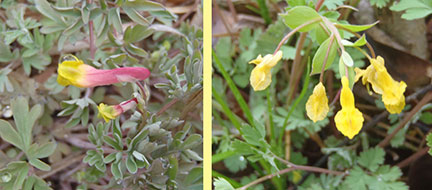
<point>111,112</point>
<point>75,72</point>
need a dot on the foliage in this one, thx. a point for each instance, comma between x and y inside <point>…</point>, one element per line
<point>157,144</point>
<point>413,9</point>
<point>265,133</point>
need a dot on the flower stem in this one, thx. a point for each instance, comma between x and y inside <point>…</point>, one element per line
<point>293,32</point>
<point>290,168</point>
<point>326,58</point>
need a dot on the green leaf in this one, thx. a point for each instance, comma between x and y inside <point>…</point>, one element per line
<point>333,4</point>
<point>388,173</point>
<point>379,3</point>
<point>252,135</point>
<point>144,5</point>
<point>346,59</point>
<point>138,138</point>
<point>140,157</point>
<point>192,141</point>
<point>360,42</point>
<point>235,163</point>
<point>39,164</point>
<point>45,150</point>
<point>20,170</point>
<point>318,59</point>
<point>109,158</point>
<point>137,33</point>
<point>136,16</point>
<point>426,117</point>
<point>110,141</point>
<point>131,165</point>
<point>28,184</point>
<point>299,15</point>
<point>372,158</point>
<point>136,50</point>
<point>267,42</point>
<point>356,28</point>
<point>414,9</point>
<point>9,134</point>
<point>222,184</point>
<point>242,148</point>
<point>356,180</point>
<point>173,168</point>
<point>114,19</point>
<point>67,11</point>
<point>72,29</point>
<point>116,170</point>
<point>45,8</point>
<point>429,142</point>
<point>224,51</point>
<point>4,80</point>
<point>192,155</point>
<point>293,3</point>
<point>5,54</point>
<point>234,89</point>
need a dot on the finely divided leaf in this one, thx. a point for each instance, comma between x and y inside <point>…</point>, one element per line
<point>372,158</point>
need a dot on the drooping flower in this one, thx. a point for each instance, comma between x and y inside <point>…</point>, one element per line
<point>260,77</point>
<point>317,104</point>
<point>75,72</point>
<point>111,112</point>
<point>392,92</point>
<point>349,120</point>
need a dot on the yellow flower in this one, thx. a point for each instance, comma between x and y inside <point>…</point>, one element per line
<point>382,83</point>
<point>260,77</point>
<point>349,120</point>
<point>108,112</point>
<point>111,112</point>
<point>317,104</point>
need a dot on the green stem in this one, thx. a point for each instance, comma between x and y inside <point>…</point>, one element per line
<point>226,109</point>
<point>264,11</point>
<point>297,101</point>
<point>222,156</point>
<point>242,103</point>
<point>286,37</point>
<point>270,111</point>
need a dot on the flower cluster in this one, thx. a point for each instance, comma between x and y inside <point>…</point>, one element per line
<point>74,72</point>
<point>349,120</point>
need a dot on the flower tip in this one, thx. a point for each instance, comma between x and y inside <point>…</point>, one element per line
<point>317,105</point>
<point>107,112</point>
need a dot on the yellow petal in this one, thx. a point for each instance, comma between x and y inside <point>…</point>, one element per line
<point>260,78</point>
<point>348,120</point>
<point>256,61</point>
<point>273,59</point>
<point>71,72</point>
<point>382,83</point>
<point>107,112</point>
<point>393,99</point>
<point>317,104</point>
<point>346,97</point>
